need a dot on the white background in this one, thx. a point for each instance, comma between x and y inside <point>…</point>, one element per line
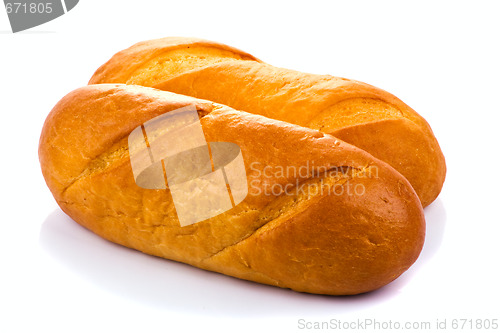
<point>440,57</point>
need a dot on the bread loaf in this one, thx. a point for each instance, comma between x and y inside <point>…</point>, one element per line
<point>311,235</point>
<point>358,113</point>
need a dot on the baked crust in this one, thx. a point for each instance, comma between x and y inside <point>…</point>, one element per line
<point>316,242</point>
<point>363,115</point>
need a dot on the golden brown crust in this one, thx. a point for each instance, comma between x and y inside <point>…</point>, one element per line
<point>337,106</point>
<point>314,241</point>
<point>157,59</point>
<point>326,103</point>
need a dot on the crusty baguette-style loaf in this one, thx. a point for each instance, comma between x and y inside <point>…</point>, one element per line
<point>313,240</point>
<point>358,113</point>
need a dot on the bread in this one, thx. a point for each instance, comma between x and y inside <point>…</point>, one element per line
<point>309,238</point>
<point>358,113</point>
